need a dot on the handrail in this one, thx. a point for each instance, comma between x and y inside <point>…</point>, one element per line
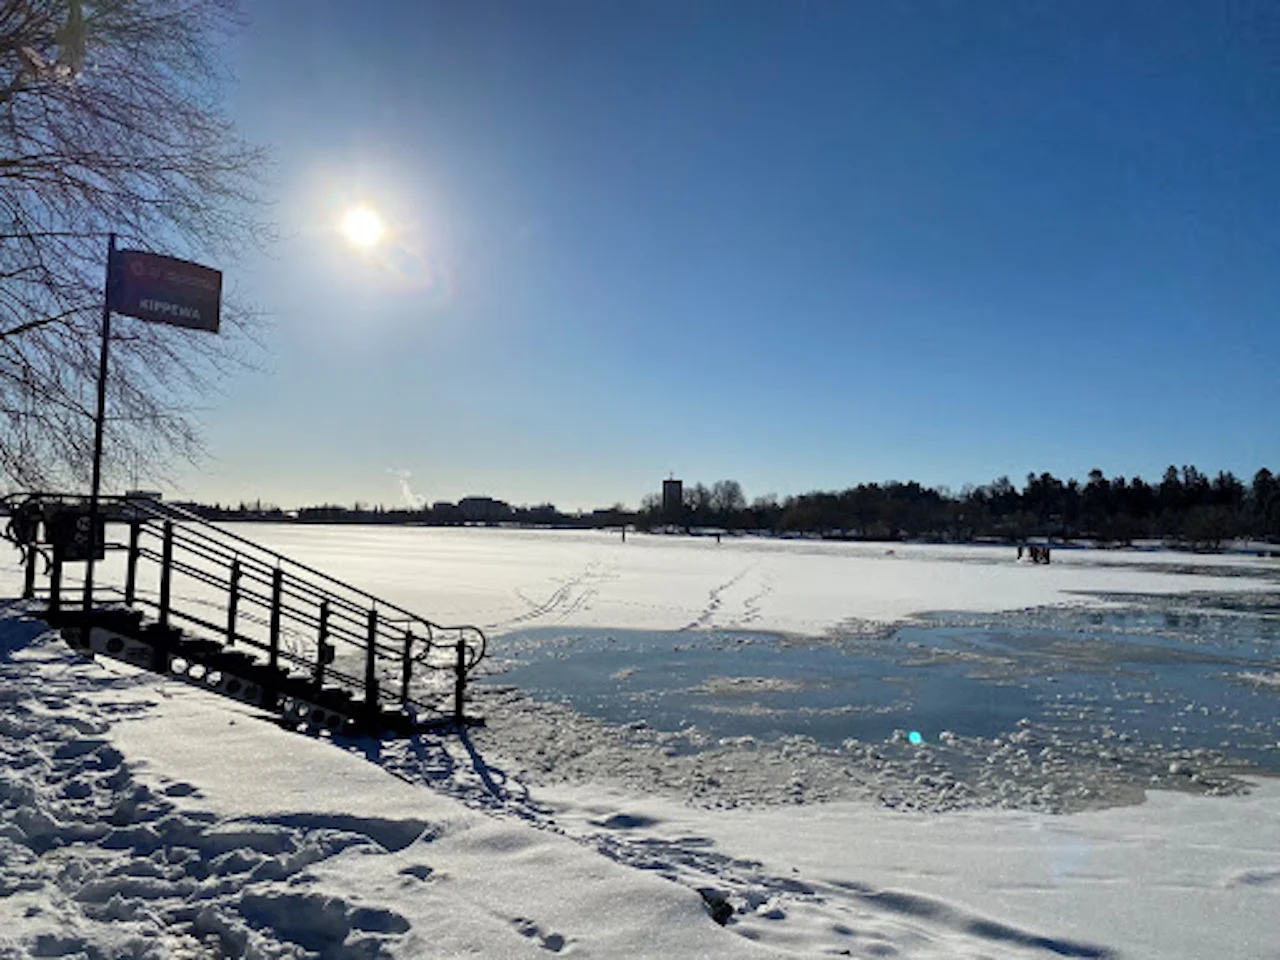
<point>408,617</point>
<point>307,607</point>
<point>343,627</point>
<point>161,510</point>
<point>171,510</point>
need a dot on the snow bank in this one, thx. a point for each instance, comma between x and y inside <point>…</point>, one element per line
<point>145,819</point>
<point>1177,877</point>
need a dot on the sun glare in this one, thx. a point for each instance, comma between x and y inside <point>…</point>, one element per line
<point>362,227</point>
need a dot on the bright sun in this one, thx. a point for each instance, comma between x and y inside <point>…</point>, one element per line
<point>362,227</point>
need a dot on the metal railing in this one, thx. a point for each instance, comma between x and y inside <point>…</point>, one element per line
<point>245,595</point>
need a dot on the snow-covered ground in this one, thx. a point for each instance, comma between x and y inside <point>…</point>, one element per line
<point>503,579</point>
<point>142,819</point>
<point>145,818</point>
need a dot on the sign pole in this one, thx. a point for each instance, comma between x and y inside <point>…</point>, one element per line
<point>150,287</point>
<point>99,424</point>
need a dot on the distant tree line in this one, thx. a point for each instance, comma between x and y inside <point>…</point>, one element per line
<point>1186,507</point>
<point>469,510</point>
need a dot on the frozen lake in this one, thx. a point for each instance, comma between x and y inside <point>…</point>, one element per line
<point>1052,685</point>
<point>1174,673</point>
<point>505,580</point>
<point>758,685</point>
<point>1127,664</point>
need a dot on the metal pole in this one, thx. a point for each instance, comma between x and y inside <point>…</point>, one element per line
<point>371,664</point>
<point>322,643</point>
<point>406,667</point>
<point>131,571</point>
<point>460,684</point>
<point>55,582</point>
<point>273,651</point>
<point>29,582</point>
<point>233,600</point>
<point>98,424</point>
<point>166,572</point>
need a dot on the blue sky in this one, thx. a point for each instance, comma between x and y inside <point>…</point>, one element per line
<point>802,245</point>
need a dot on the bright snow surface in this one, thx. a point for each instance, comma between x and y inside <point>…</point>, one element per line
<point>145,818</point>
<point>502,579</point>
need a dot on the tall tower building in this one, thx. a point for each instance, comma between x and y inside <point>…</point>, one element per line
<point>672,499</point>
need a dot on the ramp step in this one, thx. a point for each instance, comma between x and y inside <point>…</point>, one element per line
<point>127,635</point>
<point>197,649</point>
<point>232,661</point>
<point>162,636</point>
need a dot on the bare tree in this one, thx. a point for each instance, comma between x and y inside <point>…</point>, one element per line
<point>727,498</point>
<point>110,122</point>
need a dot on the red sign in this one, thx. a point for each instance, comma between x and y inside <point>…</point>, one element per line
<point>164,290</point>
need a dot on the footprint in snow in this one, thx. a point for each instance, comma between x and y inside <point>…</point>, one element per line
<point>1256,878</point>
<point>550,941</point>
<point>625,821</point>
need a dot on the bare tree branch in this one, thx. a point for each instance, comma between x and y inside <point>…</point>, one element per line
<point>110,122</point>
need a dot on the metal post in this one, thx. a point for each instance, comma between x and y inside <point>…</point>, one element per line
<point>370,663</point>
<point>166,572</point>
<point>233,600</point>
<point>460,683</point>
<point>322,641</point>
<point>273,652</point>
<point>29,582</point>
<point>406,667</point>
<point>55,582</point>
<point>131,572</point>
<point>99,423</point>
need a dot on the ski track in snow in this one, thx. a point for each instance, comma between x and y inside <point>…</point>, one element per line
<point>572,596</point>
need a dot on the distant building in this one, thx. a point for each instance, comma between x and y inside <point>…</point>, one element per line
<point>483,509</point>
<point>672,499</point>
<point>444,511</point>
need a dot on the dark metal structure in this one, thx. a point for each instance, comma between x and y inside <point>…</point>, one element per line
<point>190,599</point>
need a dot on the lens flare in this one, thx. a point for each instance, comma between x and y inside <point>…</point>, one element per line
<point>362,227</point>
<point>390,241</point>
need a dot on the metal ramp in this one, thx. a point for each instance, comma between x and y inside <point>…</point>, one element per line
<point>186,598</point>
